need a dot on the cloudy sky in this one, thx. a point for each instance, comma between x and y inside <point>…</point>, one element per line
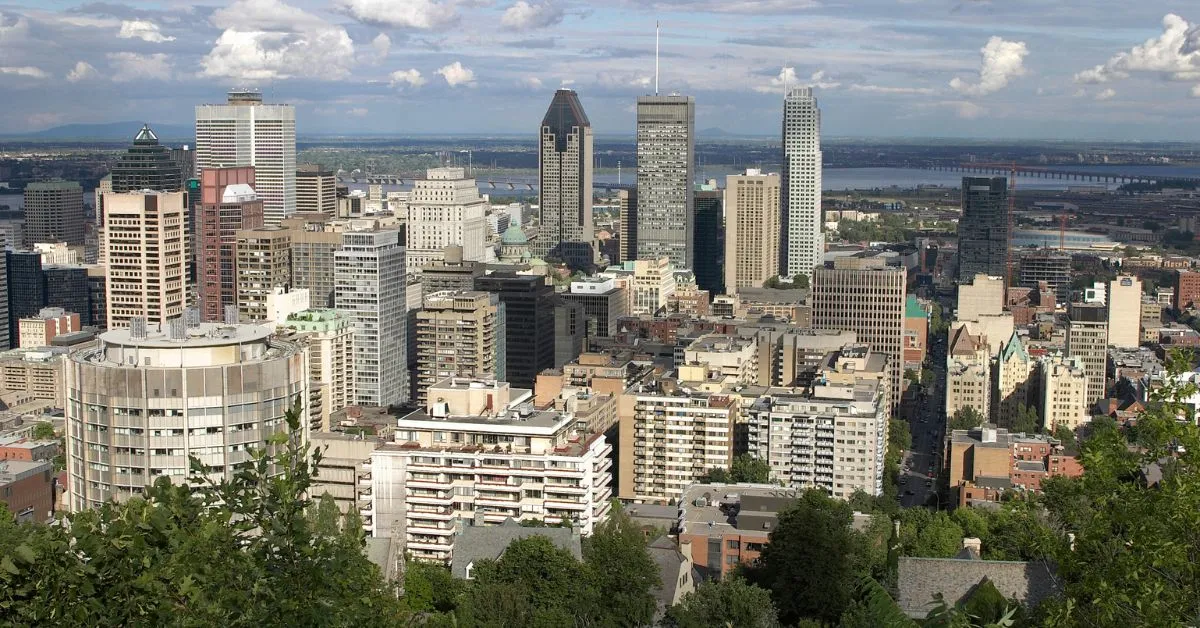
<point>1102,69</point>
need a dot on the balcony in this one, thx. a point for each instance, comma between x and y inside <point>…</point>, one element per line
<point>429,546</point>
<point>557,503</point>
<point>429,530</point>
<point>364,479</point>
<point>426,484</point>
<point>440,514</point>
<point>368,510</point>
<point>435,500</point>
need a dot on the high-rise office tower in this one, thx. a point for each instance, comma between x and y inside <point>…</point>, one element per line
<point>751,229</point>
<point>316,190</point>
<point>53,212</point>
<point>1125,312</point>
<point>4,322</point>
<point>370,287</point>
<point>983,229</point>
<point>146,165</point>
<point>803,239</point>
<point>666,154</point>
<point>627,200</point>
<point>67,288</point>
<point>246,132</point>
<point>314,242</point>
<point>26,292</point>
<point>708,241</point>
<point>147,256</point>
<point>529,319</point>
<point>227,204</point>
<point>459,334</point>
<point>444,209</point>
<point>866,296</point>
<point>1087,340</point>
<point>263,264</point>
<point>565,192</point>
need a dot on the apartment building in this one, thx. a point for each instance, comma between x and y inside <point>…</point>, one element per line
<point>263,264</point>
<point>968,374</point>
<point>1014,380</point>
<point>1065,386</point>
<point>147,256</point>
<point>832,435</point>
<point>461,335</point>
<point>670,435</point>
<point>329,335</point>
<point>480,447</point>
<point>1087,339</point>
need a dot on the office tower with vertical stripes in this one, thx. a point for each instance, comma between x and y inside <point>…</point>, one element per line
<point>666,152</point>
<point>803,243</point>
<point>565,182</point>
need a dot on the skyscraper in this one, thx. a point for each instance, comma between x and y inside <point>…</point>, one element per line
<point>983,230</point>
<point>529,319</point>
<point>369,280</point>
<point>146,165</point>
<point>263,264</point>
<point>228,203</point>
<point>246,132</point>
<point>147,256</point>
<point>445,208</point>
<point>1125,311</point>
<point>708,241</point>
<point>565,192</point>
<point>627,200</point>
<point>316,190</point>
<point>866,296</point>
<point>1087,341</point>
<point>751,229</point>
<point>53,212</point>
<point>666,161</point>
<point>803,246</point>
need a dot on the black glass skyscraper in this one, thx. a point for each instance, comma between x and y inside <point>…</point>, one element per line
<point>529,323</point>
<point>983,230</point>
<point>26,290</point>
<point>147,165</point>
<point>67,287</point>
<point>708,242</point>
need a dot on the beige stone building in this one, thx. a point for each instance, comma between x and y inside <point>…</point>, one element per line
<point>752,218</point>
<point>1087,339</point>
<point>1125,312</point>
<point>1064,393</point>
<point>459,334</point>
<point>31,375</point>
<point>1014,372</point>
<point>968,374</point>
<point>866,296</point>
<point>329,335</point>
<point>147,256</point>
<point>724,360</point>
<point>263,263</point>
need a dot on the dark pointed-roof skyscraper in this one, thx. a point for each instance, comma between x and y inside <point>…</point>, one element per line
<point>983,230</point>
<point>565,190</point>
<point>147,165</point>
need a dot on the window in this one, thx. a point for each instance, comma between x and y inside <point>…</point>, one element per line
<point>734,545</point>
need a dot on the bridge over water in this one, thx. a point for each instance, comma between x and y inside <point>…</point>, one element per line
<point>1059,173</point>
<point>500,183</point>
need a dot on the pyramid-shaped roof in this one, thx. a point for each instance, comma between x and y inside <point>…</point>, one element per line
<point>145,136</point>
<point>1014,347</point>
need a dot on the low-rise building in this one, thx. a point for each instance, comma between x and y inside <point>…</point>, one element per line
<point>344,458</point>
<point>722,526</point>
<point>985,462</point>
<point>50,323</point>
<point>27,489</point>
<point>481,447</point>
<point>28,375</point>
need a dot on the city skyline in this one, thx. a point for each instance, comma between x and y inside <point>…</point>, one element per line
<point>918,69</point>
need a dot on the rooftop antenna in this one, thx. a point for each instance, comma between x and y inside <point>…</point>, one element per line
<point>656,32</point>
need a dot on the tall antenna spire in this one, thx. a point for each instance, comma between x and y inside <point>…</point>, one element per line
<point>656,30</point>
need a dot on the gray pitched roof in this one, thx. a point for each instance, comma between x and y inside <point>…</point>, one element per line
<point>476,543</point>
<point>955,578</point>
<point>666,555</point>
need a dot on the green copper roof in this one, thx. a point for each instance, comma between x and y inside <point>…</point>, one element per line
<point>513,236</point>
<point>913,309</point>
<point>1014,346</point>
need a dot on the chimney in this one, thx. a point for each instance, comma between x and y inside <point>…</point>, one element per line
<point>478,519</point>
<point>974,545</point>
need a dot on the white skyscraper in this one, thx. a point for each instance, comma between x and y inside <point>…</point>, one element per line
<point>370,287</point>
<point>444,209</point>
<point>803,239</point>
<point>246,132</point>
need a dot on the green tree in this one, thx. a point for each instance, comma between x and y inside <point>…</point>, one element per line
<point>239,552</point>
<point>911,376</point>
<point>429,588</point>
<point>813,531</point>
<point>926,377</point>
<point>535,583</point>
<point>621,574</point>
<point>44,430</point>
<point>1026,420</point>
<point>929,534</point>
<point>750,468</point>
<point>728,602</point>
<point>966,418</point>
<point>800,281</point>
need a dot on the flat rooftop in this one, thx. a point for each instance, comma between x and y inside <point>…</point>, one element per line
<point>205,335</point>
<point>715,509</point>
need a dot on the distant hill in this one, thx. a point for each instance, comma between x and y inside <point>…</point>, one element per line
<point>109,132</point>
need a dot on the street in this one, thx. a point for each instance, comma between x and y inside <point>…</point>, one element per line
<point>918,474</point>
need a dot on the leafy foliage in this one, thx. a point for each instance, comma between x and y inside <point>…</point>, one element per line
<point>1026,420</point>
<point>244,552</point>
<point>44,430</point>
<point>729,602</point>
<point>966,418</point>
<point>745,468</point>
<point>620,571</point>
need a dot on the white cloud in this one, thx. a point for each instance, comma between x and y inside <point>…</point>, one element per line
<point>410,78</point>
<point>1106,94</point>
<point>131,66</point>
<point>533,82</point>
<point>1002,61</point>
<point>358,112</point>
<point>13,27</point>
<point>888,89</point>
<point>967,110</point>
<point>818,81</point>
<point>526,16</point>
<point>455,74</point>
<point>382,44</point>
<point>787,77</point>
<point>81,72</point>
<point>23,70</point>
<point>421,14</point>
<point>143,30</point>
<point>268,40</point>
<point>1174,54</point>
<point>1196,91</point>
